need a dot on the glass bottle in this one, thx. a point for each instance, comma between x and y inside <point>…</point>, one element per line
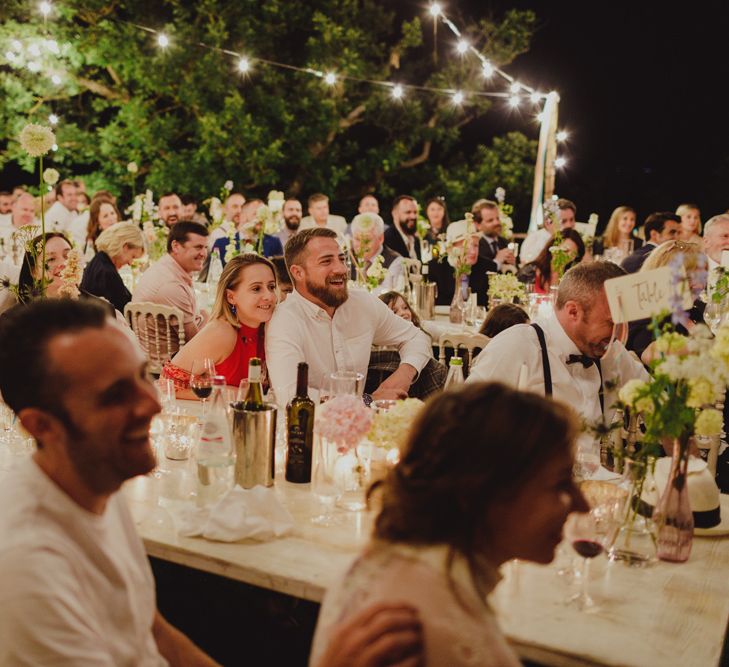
<point>455,373</point>
<point>458,304</point>
<point>254,396</point>
<point>215,452</point>
<point>300,430</point>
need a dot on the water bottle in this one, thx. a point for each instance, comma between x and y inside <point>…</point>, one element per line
<point>455,373</point>
<point>215,452</point>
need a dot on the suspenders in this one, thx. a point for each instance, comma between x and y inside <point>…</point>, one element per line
<point>548,371</point>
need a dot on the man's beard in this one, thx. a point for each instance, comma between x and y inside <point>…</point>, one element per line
<point>326,295</point>
<point>171,220</point>
<point>409,226</point>
<point>292,222</point>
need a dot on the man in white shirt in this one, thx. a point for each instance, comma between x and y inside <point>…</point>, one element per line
<point>232,209</point>
<point>331,329</point>
<point>63,212</point>
<point>22,213</point>
<point>580,366</point>
<point>291,214</point>
<point>318,205</point>
<point>368,235</point>
<point>716,241</point>
<point>75,584</point>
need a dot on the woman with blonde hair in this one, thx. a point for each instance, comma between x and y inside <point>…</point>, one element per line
<point>618,232</point>
<point>116,246</point>
<point>244,303</point>
<point>693,261</point>
<point>690,223</point>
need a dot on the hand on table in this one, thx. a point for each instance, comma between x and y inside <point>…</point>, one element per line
<point>397,385</point>
<point>383,635</point>
<point>391,393</point>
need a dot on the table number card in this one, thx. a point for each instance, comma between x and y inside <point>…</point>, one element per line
<point>642,295</point>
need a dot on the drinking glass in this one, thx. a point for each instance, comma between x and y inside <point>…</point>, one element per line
<point>479,317</point>
<point>514,247</point>
<point>582,532</point>
<point>166,390</point>
<point>201,380</point>
<point>587,457</point>
<point>713,315</point>
<point>322,482</point>
<point>342,383</point>
<point>242,391</point>
<point>179,436</point>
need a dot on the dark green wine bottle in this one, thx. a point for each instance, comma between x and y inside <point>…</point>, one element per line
<point>254,397</point>
<point>300,430</point>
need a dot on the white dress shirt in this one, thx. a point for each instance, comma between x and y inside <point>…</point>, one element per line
<point>502,359</point>
<point>78,229</point>
<point>533,244</point>
<point>335,222</point>
<point>59,218</point>
<point>302,331</point>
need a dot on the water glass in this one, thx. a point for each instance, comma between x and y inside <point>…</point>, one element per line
<point>343,383</point>
<point>479,317</point>
<point>179,435</point>
<point>166,391</point>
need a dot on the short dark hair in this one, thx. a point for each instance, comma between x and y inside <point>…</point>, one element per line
<point>296,245</point>
<point>583,282</point>
<point>188,199</point>
<point>168,194</point>
<point>180,231</point>
<point>481,204</point>
<point>655,222</point>
<point>60,184</point>
<point>363,197</point>
<point>28,379</point>
<point>564,204</point>
<point>399,198</point>
<point>317,196</point>
<point>502,317</point>
<point>5,193</point>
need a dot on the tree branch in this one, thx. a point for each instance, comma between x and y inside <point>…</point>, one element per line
<point>101,90</point>
<point>353,117</point>
<point>427,146</point>
<point>113,74</point>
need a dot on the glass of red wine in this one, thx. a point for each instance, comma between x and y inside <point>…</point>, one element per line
<point>583,533</point>
<point>201,379</point>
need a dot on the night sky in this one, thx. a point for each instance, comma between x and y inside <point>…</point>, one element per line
<point>643,90</point>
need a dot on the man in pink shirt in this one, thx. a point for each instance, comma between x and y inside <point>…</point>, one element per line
<point>168,282</point>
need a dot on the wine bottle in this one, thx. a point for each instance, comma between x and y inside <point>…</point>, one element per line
<point>300,430</point>
<point>424,272</point>
<point>254,397</point>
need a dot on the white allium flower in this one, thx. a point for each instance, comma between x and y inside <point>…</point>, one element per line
<point>37,140</point>
<point>51,176</point>
<point>132,168</point>
<point>228,185</point>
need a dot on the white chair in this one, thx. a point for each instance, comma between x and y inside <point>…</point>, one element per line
<point>464,340</point>
<point>159,329</point>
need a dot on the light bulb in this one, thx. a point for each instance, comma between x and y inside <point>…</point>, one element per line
<point>514,101</point>
<point>458,97</point>
<point>163,40</point>
<point>515,87</point>
<point>540,117</point>
<point>487,69</point>
<point>435,9</point>
<point>53,119</point>
<point>535,97</point>
<point>397,92</point>
<point>330,78</point>
<point>562,135</point>
<point>560,162</point>
<point>462,46</point>
<point>243,65</point>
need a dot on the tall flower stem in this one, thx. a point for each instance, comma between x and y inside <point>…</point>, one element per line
<point>43,231</point>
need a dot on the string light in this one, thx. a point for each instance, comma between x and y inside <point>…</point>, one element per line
<point>45,8</point>
<point>514,101</point>
<point>515,87</point>
<point>244,65</point>
<point>435,10</point>
<point>163,41</point>
<point>560,162</point>
<point>457,98</point>
<point>487,69</point>
<point>562,135</point>
<point>54,147</point>
<point>397,92</point>
<point>535,97</point>
<point>540,117</point>
<point>462,46</point>
<point>53,119</point>
<point>330,78</point>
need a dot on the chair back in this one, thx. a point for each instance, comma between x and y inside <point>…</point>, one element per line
<point>159,329</point>
<point>463,340</point>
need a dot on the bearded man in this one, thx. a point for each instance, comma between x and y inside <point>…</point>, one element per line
<point>331,329</point>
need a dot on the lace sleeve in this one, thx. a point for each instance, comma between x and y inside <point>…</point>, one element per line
<point>179,376</point>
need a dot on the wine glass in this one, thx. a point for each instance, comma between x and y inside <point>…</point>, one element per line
<point>323,487</point>
<point>201,380</point>
<point>587,457</point>
<point>713,315</point>
<point>582,532</point>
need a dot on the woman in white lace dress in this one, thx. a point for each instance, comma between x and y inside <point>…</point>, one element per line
<point>485,477</point>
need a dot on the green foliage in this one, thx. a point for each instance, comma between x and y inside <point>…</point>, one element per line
<point>190,120</point>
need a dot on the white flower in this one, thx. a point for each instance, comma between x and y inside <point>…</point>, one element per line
<point>377,271</point>
<point>137,209</point>
<point>275,200</point>
<point>132,168</point>
<point>500,195</point>
<point>629,392</point>
<point>701,392</point>
<point>506,286</point>
<point>228,185</point>
<point>37,140</point>
<point>51,176</point>
<point>71,275</point>
<point>709,422</point>
<point>216,209</point>
<point>592,219</point>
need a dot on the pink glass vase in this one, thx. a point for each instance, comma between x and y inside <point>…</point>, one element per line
<point>672,516</point>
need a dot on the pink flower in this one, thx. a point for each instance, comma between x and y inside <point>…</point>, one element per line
<point>344,420</point>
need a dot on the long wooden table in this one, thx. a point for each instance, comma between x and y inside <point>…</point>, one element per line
<point>661,615</point>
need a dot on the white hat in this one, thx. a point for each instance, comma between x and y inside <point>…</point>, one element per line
<point>457,231</point>
<point>710,508</point>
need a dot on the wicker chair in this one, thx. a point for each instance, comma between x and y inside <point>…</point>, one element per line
<point>159,329</point>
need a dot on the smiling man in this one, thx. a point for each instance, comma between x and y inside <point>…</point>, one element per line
<point>564,355</point>
<point>331,329</point>
<point>168,281</point>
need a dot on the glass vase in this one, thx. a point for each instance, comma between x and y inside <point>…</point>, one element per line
<point>635,542</point>
<point>672,516</point>
<point>342,474</point>
<point>457,311</point>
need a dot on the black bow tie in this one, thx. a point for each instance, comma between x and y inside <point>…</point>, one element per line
<point>580,359</point>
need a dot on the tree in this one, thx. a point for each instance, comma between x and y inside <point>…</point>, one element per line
<point>190,120</point>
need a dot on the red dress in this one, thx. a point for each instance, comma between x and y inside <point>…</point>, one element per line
<point>248,343</point>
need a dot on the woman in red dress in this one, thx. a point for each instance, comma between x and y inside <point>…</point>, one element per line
<point>244,302</point>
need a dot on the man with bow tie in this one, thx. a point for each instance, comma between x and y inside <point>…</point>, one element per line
<point>568,354</point>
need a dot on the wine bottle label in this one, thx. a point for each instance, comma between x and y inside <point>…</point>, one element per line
<point>254,374</point>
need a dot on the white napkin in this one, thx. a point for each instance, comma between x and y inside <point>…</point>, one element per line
<point>241,514</point>
<point>602,474</point>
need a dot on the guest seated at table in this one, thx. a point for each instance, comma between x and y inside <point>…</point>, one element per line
<point>116,247</point>
<point>57,249</point>
<point>76,587</point>
<point>443,273</point>
<point>502,317</point>
<point>330,328</point>
<point>284,285</point>
<point>436,213</point>
<point>368,237</point>
<point>690,223</point>
<point>541,271</point>
<point>619,233</point>
<point>244,302</point>
<point>102,215</point>
<point>247,233</point>
<point>486,476</point>
<point>641,334</point>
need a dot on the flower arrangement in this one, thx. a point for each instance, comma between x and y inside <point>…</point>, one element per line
<point>422,228</point>
<point>457,251</point>
<point>561,258</point>
<point>344,420</point>
<point>275,201</point>
<point>156,239</point>
<point>143,208</point>
<point>51,176</point>
<point>71,275</point>
<point>390,428</point>
<point>376,273</point>
<point>506,287</point>
<point>551,211</point>
<point>505,211</point>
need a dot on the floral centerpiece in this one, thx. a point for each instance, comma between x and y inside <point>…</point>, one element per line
<point>144,212</point>
<point>390,427</point>
<point>560,258</point>
<point>71,275</point>
<point>506,288</point>
<point>550,211</point>
<point>340,426</point>
<point>275,201</point>
<point>370,277</point>
<point>457,253</point>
